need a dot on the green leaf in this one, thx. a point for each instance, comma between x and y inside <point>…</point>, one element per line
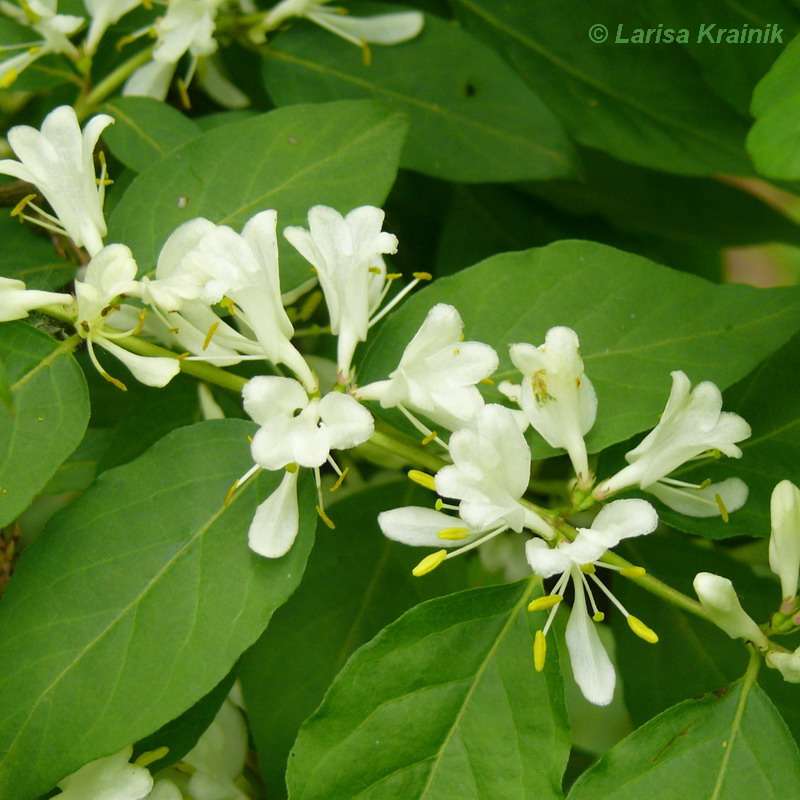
<point>157,596</point>
<point>338,154</point>
<point>724,746</point>
<point>357,581</point>
<point>79,470</point>
<point>46,418</point>
<point>444,703</point>
<point>472,118</point>
<point>616,97</point>
<point>145,130</point>
<point>636,321</point>
<point>774,139</point>
<point>29,257</point>
<point>769,399</point>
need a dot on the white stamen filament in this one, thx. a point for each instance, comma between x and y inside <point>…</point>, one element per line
<point>607,592</point>
<point>476,543</point>
<point>393,302</point>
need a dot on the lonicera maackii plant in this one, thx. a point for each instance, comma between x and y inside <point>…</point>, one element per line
<point>213,306</point>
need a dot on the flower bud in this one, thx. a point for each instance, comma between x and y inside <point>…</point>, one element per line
<point>784,543</point>
<point>719,601</point>
<point>788,664</point>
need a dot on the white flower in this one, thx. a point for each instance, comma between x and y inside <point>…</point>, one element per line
<point>788,664</point>
<point>188,26</point>
<point>692,426</point>
<point>719,601</point>
<point>16,301</point>
<point>202,263</point>
<point>346,253</point>
<point>437,372</point>
<point>290,439</point>
<point>53,28</point>
<point>381,29</point>
<point>591,666</point>
<point>59,161</point>
<point>109,275</point>
<point>110,778</point>
<point>425,527</point>
<point>219,756</point>
<point>104,13</point>
<point>784,542</point>
<point>490,473</point>
<point>556,396</point>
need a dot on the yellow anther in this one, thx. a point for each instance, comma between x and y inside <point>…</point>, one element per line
<point>453,533</point>
<point>633,572</point>
<point>210,335</point>
<point>456,351</point>
<point>340,479</point>
<point>722,510</point>
<point>541,603</point>
<point>18,208</point>
<point>588,569</point>
<point>577,383</point>
<point>704,485</point>
<point>151,756</point>
<point>366,54</point>
<point>250,439</point>
<point>310,305</point>
<point>439,504</point>
<point>181,356</point>
<point>423,479</point>
<point>430,437</point>
<point>429,563</point>
<point>393,276</point>
<point>598,616</point>
<point>231,492</point>
<point>291,467</point>
<point>374,270</point>
<point>641,630</point>
<point>111,379</point>
<point>487,381</point>
<point>184,95</point>
<point>423,276</point>
<point>8,78</point>
<point>325,518</point>
<point>227,304</point>
<point>539,650</point>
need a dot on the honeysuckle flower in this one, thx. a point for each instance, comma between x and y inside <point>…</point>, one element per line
<point>720,602</point>
<point>288,439</point>
<point>55,30</point>
<point>788,664</point>
<point>360,31</point>
<point>692,426</point>
<point>109,778</point>
<point>104,13</point>
<point>346,253</point>
<point>556,396</point>
<point>703,500</point>
<point>784,541</point>
<point>16,301</point>
<point>188,26</point>
<point>202,264</point>
<point>109,275</point>
<point>59,161</point>
<point>490,473</point>
<point>437,372</point>
<point>576,561</point>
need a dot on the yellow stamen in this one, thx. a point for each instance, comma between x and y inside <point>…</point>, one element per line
<point>598,616</point>
<point>423,479</point>
<point>722,510</point>
<point>22,203</point>
<point>439,504</point>
<point>633,572</point>
<point>325,518</point>
<point>430,437</point>
<point>429,563</point>
<point>231,491</point>
<point>539,651</point>
<point>705,484</point>
<point>339,481</point>
<point>291,467</point>
<point>9,78</point>
<point>588,569</point>
<point>184,95</point>
<point>211,331</point>
<point>641,630</point>
<point>453,533</point>
<point>181,356</point>
<point>366,54</point>
<point>487,381</point>
<point>423,276</point>
<point>393,276</point>
<point>374,270</point>
<point>227,304</point>
<point>541,603</point>
<point>151,756</point>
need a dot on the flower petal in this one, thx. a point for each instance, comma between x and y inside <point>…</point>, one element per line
<point>276,522</point>
<point>702,502</point>
<point>266,396</point>
<point>546,561</point>
<point>149,370</point>
<point>419,527</point>
<point>348,423</point>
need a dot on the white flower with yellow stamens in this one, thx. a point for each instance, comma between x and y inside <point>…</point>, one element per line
<point>576,562</point>
<point>59,161</point>
<point>346,253</point>
<point>556,396</point>
<point>438,372</point>
<point>110,275</point>
<point>109,778</point>
<point>296,430</point>
<point>692,426</point>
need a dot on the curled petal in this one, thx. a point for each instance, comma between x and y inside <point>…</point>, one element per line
<point>546,561</point>
<point>702,502</point>
<point>420,527</point>
<point>149,370</point>
<point>347,422</point>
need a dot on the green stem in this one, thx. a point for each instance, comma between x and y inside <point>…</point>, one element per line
<point>88,103</point>
<point>398,444</point>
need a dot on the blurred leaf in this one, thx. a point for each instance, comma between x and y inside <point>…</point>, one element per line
<point>28,256</point>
